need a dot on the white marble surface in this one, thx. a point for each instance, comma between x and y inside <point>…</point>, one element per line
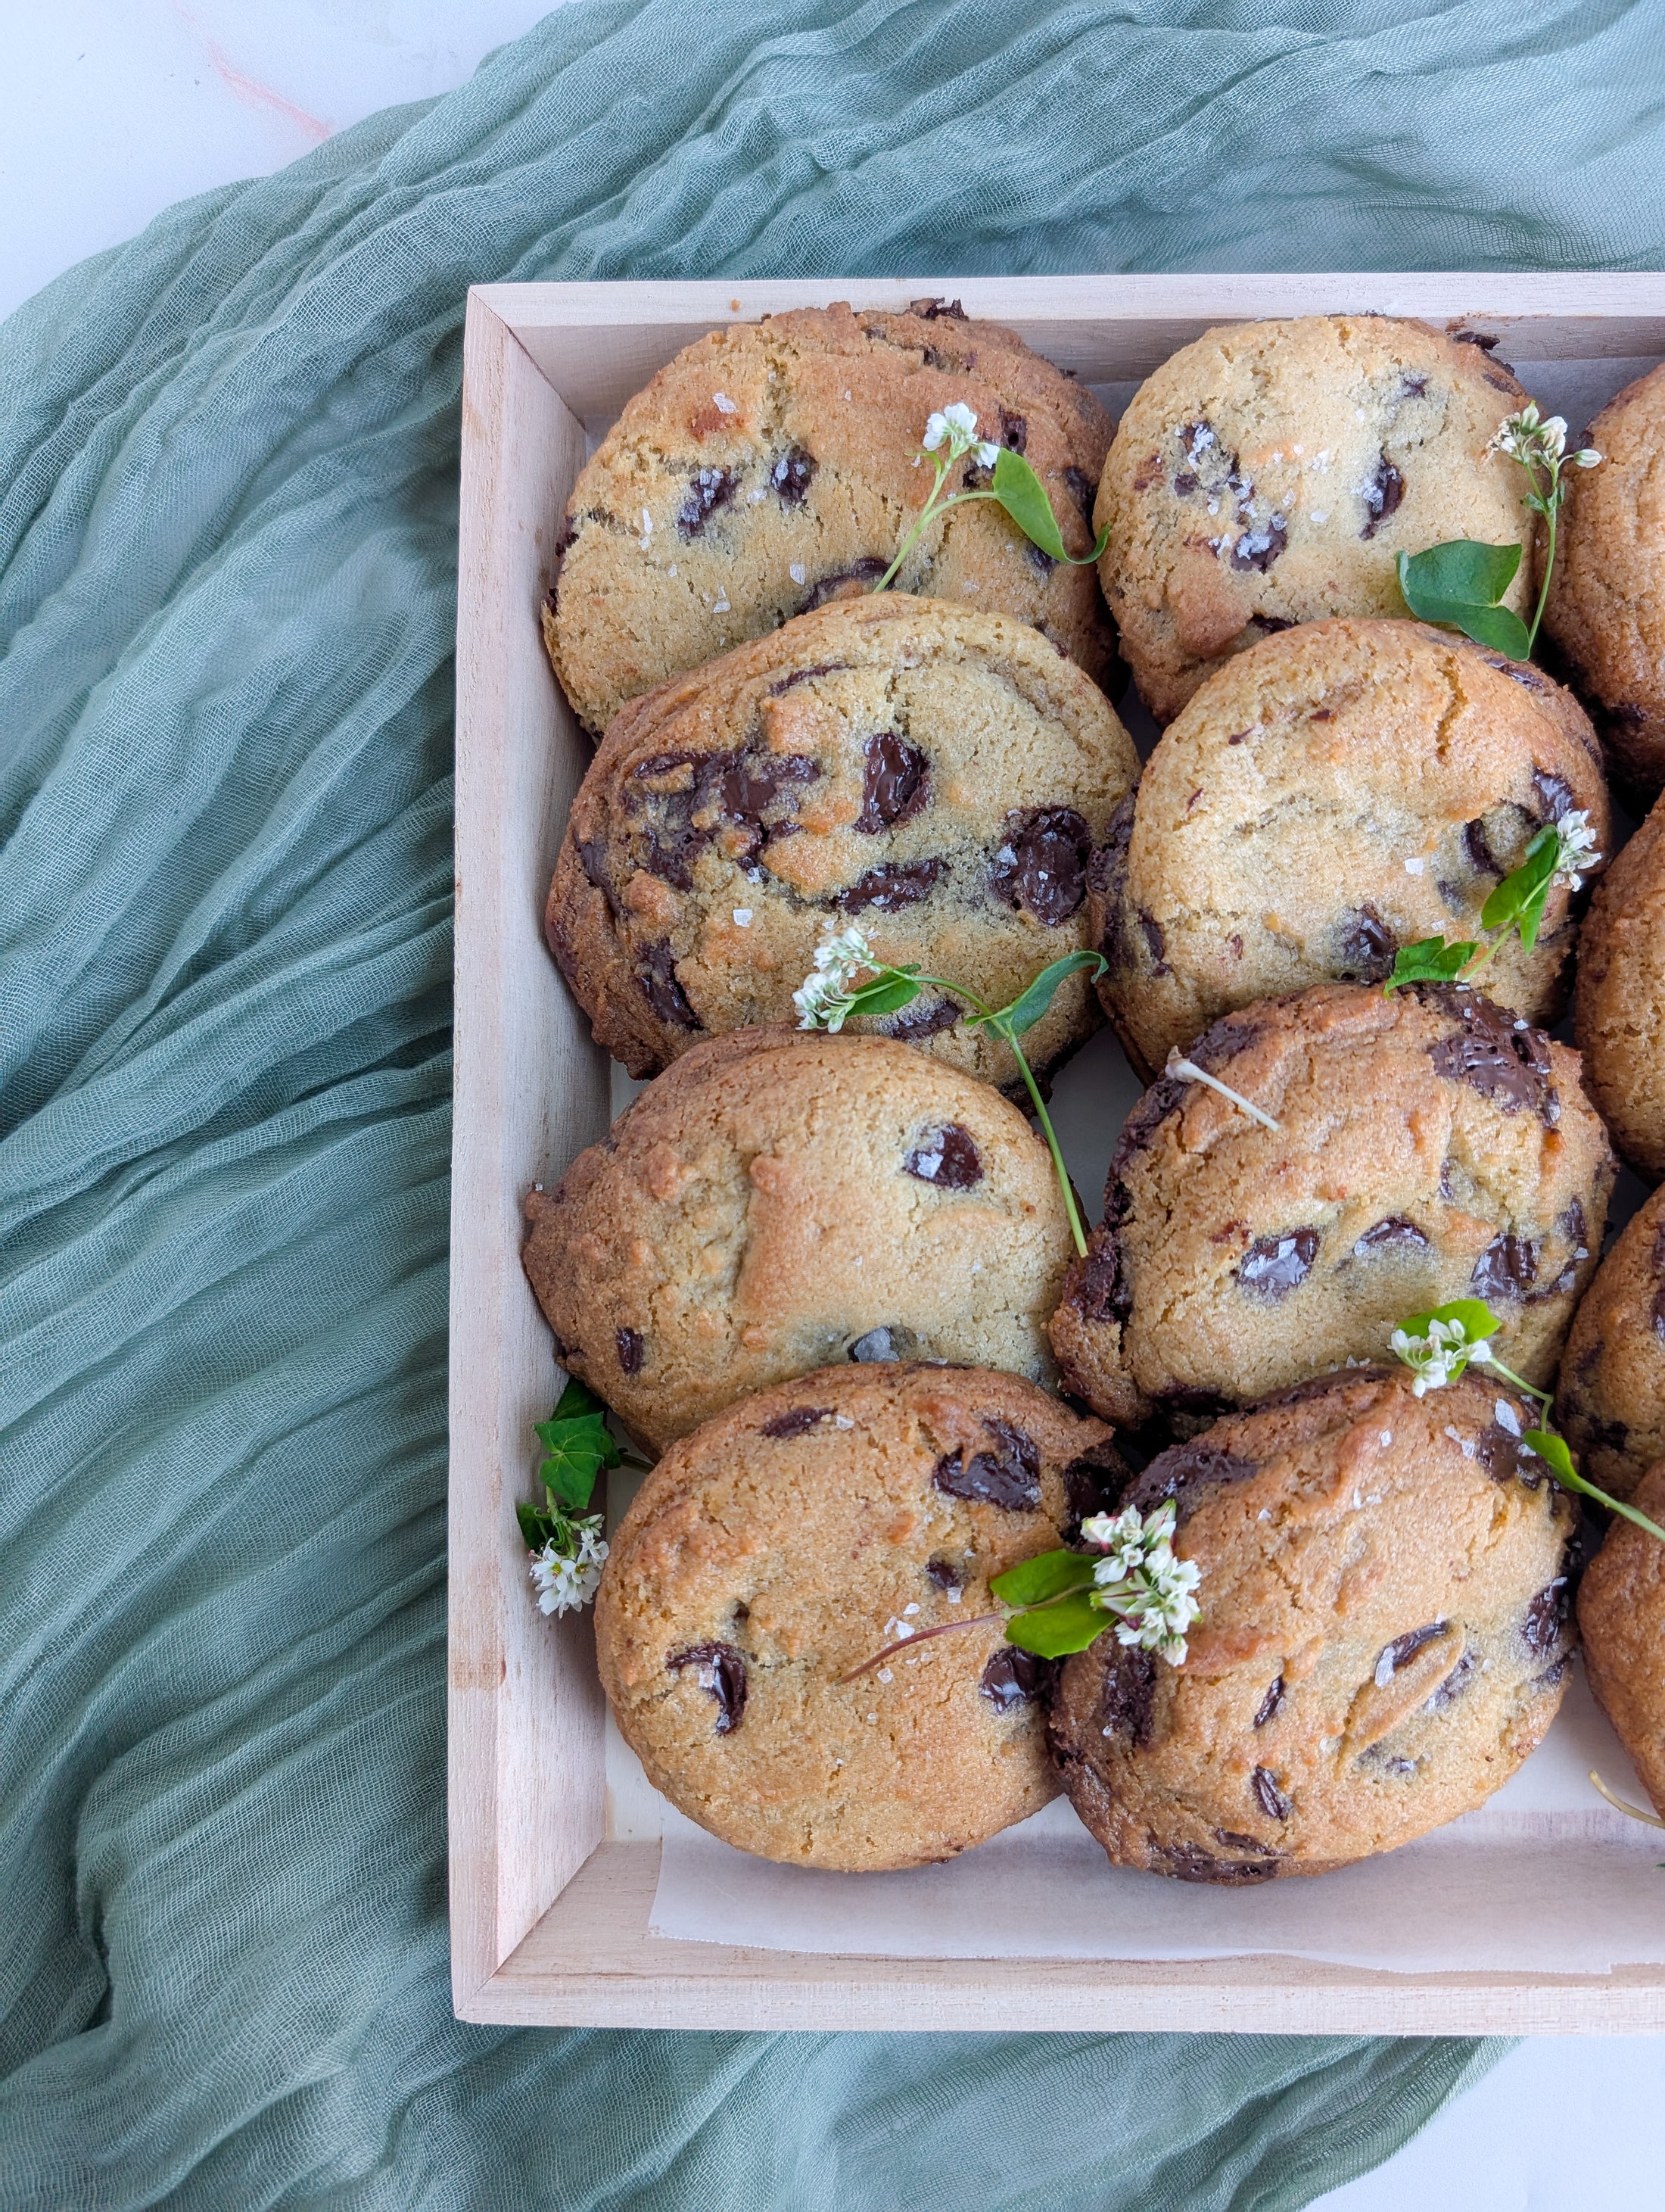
<point>114,109</point>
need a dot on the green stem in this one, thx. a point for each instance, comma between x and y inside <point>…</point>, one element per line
<point>1550,506</point>
<point>928,513</point>
<point>1546,1398</point>
<point>1002,1029</point>
<point>1575,1481</point>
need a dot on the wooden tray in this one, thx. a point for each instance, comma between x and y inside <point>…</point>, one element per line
<point>549,1911</point>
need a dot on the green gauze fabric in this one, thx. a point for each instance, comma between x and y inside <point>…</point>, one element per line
<point>228,495</point>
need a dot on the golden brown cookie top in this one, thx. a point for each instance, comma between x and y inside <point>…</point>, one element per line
<point>1271,473</point>
<point>791,1539</point>
<point>1380,1641</point>
<point>934,775</point>
<point>1621,1617</point>
<point>779,1201</point>
<point>1619,1002</point>
<point>770,467</point>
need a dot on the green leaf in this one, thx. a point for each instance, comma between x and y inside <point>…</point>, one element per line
<point>1531,915</point>
<point>535,1526</point>
<point>1479,1321</point>
<point>1055,1631</point>
<point>885,994</point>
<point>1023,496</point>
<point>574,1401</point>
<point>576,1446</point>
<point>1430,960</point>
<point>1045,1576</point>
<point>1461,584</point>
<point>1028,1008</point>
<point>1522,885</point>
<point>1554,1449</point>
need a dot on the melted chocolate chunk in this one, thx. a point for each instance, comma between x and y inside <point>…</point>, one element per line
<point>1507,1268</point>
<point>722,1672</point>
<point>632,1351</point>
<point>897,885</point>
<point>1183,1473</point>
<point>797,1420</point>
<point>1185,482</point>
<point>946,1159</point>
<point>1545,1624</point>
<point>1009,1476</point>
<point>896,783</point>
<point>1502,1453</point>
<point>1394,1230</point>
<point>792,476</point>
<point>1554,796</point>
<point>1272,1800</point>
<point>1403,1648</point>
<point>1042,562</point>
<point>1102,1290</point>
<point>877,1345</point>
<point>1365,953</point>
<point>865,572</point>
<point>949,1577</point>
<point>1455,1684</point>
<point>1128,1699</point>
<point>1093,1484</point>
<point>806,676</point>
<point>593,859</point>
<point>1156,942</point>
<point>1272,1267</point>
<point>1259,547</point>
<point>656,975</point>
<point>1014,1677</point>
<point>934,311</point>
<point>1014,431</point>
<point>1382,497</point>
<point>1412,387</point>
<point>1041,868</point>
<point>711,489</point>
<point>1498,1055</point>
<point>1081,489</point>
<point>1270,1703</point>
<point>1190,1862</point>
<point>1481,855</point>
<point>923,1018</point>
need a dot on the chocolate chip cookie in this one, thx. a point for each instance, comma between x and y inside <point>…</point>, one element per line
<point>1382,1636</point>
<point>1607,600</point>
<point>1619,1004</point>
<point>771,467</point>
<point>1430,1146</point>
<point>1621,1617</point>
<point>1611,1403</point>
<point>1271,473</point>
<point>791,1539</point>
<point>936,775</point>
<point>1331,793</point>
<point>778,1200</point>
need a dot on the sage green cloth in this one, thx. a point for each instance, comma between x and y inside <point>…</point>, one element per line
<point>228,497</point>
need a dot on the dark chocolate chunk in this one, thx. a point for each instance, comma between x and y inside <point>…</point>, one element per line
<point>1555,797</point>
<point>1185,482</point>
<point>722,1672</point>
<point>1382,497</point>
<point>1014,431</point>
<point>1546,1617</point>
<point>865,572</point>
<point>878,1344</point>
<point>1014,1677</point>
<point>923,1018</point>
<point>1396,1229</point>
<point>946,1158</point>
<point>1268,626</point>
<point>1412,387</point>
<point>1041,867</point>
<point>1473,338</point>
<point>1502,1453</point>
<point>1183,1473</point>
<point>896,782</point>
<point>1101,1290</point>
<point>1481,855</point>
<point>711,489</point>
<point>896,884</point>
<point>1406,1647</point>
<point>1190,1863</point>
<point>631,1349</point>
<point>1258,548</point>
<point>1455,1684</point>
<point>950,1576</point>
<point>1270,1703</point>
<point>1156,942</point>
<point>806,676</point>
<point>1009,1476</point>
<point>797,1420</point>
<point>1081,489</point>
<point>933,311</point>
<point>1093,1484</point>
<point>1507,1268</point>
<point>657,974</point>
<point>1366,952</point>
<point>1042,562</point>
<point>1272,1802</point>
<point>1272,1267</point>
<point>1497,1053</point>
<point>1128,1699</point>
<point>593,859</point>
<point>791,475</point>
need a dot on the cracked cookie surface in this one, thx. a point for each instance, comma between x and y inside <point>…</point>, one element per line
<point>1611,1402</point>
<point>936,775</point>
<point>778,1201</point>
<point>1335,792</point>
<point>1621,1618</point>
<point>791,1539</point>
<point>1382,1636</point>
<point>1618,999</point>
<point>1430,1146</point>
<point>1271,473</point>
<point>770,468</point>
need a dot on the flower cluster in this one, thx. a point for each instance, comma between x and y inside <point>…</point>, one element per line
<point>567,1569</point>
<point>1140,1581</point>
<point>1439,1354</point>
<point>1575,849</point>
<point>959,426</point>
<point>1538,442</point>
<point>827,994</point>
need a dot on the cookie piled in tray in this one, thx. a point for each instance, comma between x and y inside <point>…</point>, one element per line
<point>1247,1508</point>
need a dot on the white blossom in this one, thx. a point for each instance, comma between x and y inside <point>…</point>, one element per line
<point>1141,1581</point>
<point>1439,1357</point>
<point>1575,849</point>
<point>957,425</point>
<point>826,994</point>
<point>1529,437</point>
<point>565,1580</point>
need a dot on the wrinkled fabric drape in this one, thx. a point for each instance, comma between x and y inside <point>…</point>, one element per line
<point>227,506</point>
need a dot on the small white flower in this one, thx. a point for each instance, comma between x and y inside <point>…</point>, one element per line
<point>1587,457</point>
<point>1140,1579</point>
<point>826,993</point>
<point>956,428</point>
<point>566,1582</point>
<point>987,455</point>
<point>936,430</point>
<point>1575,849</point>
<point>1440,1357</point>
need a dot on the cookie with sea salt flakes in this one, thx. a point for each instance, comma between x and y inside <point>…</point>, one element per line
<point>771,467</point>
<point>1271,473</point>
<point>1382,1635</point>
<point>936,776</point>
<point>1333,793</point>
<point>1621,1618</point>
<point>1618,1003</point>
<point>792,1538</point>
<point>1611,1402</point>
<point>1429,1146</point>
<point>778,1200</point>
